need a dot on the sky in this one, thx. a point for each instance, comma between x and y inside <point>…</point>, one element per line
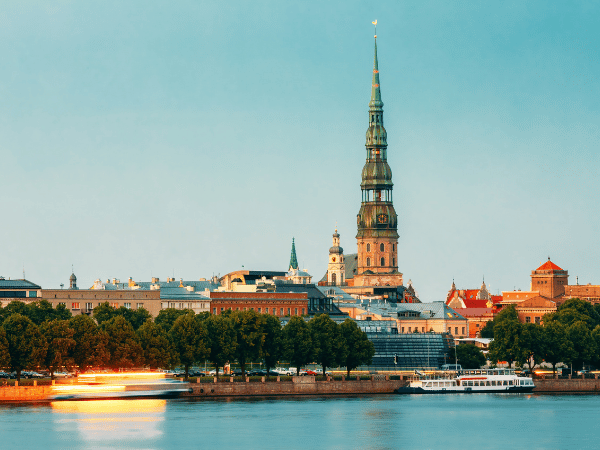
<point>190,139</point>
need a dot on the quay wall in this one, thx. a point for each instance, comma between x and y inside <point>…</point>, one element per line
<point>10,394</point>
<point>299,386</point>
<point>565,386</point>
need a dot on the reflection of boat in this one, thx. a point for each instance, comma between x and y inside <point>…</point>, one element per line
<point>119,385</point>
<point>470,381</point>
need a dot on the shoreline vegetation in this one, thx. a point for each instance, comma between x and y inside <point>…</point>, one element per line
<point>37,336</point>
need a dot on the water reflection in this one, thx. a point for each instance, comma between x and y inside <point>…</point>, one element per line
<point>128,423</point>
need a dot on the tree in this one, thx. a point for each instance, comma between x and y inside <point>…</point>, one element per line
<point>273,339</point>
<point>249,337</point>
<point>507,331</point>
<point>531,344</point>
<point>167,317</point>
<point>26,345</point>
<point>297,343</point>
<point>155,344</point>
<point>360,350</point>
<point>583,344</point>
<point>14,307</point>
<point>327,340</point>
<point>90,343</point>
<point>4,353</point>
<point>557,345</point>
<point>123,346</point>
<point>469,356</point>
<point>575,310</point>
<point>139,317</point>
<point>221,339</point>
<point>189,340</point>
<point>103,313</point>
<point>59,338</point>
<point>488,330</point>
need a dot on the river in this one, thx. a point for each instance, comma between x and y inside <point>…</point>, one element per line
<point>462,421</point>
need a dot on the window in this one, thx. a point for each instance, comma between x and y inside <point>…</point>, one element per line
<point>140,305</point>
<point>368,247</point>
<point>463,330</point>
<point>296,311</point>
<point>382,262</point>
<point>409,329</point>
<point>333,277</point>
<point>527,319</point>
<point>127,305</point>
<point>456,330</point>
<point>75,305</point>
<point>394,262</point>
<point>221,309</point>
<point>89,306</point>
<point>114,305</point>
<point>537,320</point>
<point>393,247</point>
<point>62,303</point>
<point>289,312</point>
<point>303,311</point>
<point>403,329</point>
<point>281,311</point>
<point>214,310</point>
<point>382,247</point>
<point>32,294</point>
<point>422,329</point>
<point>259,310</point>
<point>368,262</point>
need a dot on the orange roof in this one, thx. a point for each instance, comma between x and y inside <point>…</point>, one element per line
<point>549,265</point>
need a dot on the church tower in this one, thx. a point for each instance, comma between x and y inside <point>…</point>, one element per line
<point>293,258</point>
<point>336,268</point>
<point>377,236</point>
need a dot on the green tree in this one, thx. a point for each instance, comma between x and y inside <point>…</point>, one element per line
<point>222,340</point>
<point>155,344</point>
<point>575,310</point>
<point>469,356</point>
<point>189,340</point>
<point>583,344</point>
<point>531,344</point>
<point>123,347</point>
<point>167,317</point>
<point>328,343</point>
<point>488,330</point>
<point>61,344</point>
<point>249,337</point>
<point>14,307</point>
<point>90,343</point>
<point>138,317</point>
<point>360,350</point>
<point>26,345</point>
<point>4,353</point>
<point>297,343</point>
<point>273,341</point>
<point>104,312</point>
<point>557,345</point>
<point>507,332</point>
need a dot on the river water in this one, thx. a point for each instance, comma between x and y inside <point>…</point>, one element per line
<point>461,421</point>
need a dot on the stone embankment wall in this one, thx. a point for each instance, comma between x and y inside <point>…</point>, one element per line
<point>24,393</point>
<point>299,386</point>
<point>565,386</point>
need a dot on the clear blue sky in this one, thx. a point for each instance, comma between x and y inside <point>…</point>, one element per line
<point>191,138</point>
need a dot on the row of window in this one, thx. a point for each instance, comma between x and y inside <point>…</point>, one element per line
<point>381,247</point>
<point>382,261</point>
<point>537,319</point>
<point>273,311</point>
<point>416,329</point>
<point>90,306</point>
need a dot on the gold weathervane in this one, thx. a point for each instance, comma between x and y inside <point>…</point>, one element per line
<point>375,23</point>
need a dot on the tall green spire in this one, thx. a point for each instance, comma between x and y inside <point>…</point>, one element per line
<point>375,89</point>
<point>293,258</point>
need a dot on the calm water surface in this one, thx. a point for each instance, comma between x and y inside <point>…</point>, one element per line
<point>485,421</point>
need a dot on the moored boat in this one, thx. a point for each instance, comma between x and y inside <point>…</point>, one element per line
<point>469,381</point>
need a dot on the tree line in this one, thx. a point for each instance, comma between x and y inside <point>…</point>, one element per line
<point>570,335</point>
<point>37,335</point>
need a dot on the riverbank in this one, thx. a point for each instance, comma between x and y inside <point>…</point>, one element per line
<point>298,386</point>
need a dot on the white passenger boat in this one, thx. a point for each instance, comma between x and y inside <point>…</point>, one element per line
<point>469,381</point>
<point>119,385</point>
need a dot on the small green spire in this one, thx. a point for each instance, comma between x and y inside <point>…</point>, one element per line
<point>375,89</point>
<point>293,258</point>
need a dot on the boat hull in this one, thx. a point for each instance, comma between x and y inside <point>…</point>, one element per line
<point>464,390</point>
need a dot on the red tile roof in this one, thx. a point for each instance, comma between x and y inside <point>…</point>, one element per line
<point>549,265</point>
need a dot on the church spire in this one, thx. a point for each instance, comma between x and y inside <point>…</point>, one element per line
<point>375,89</point>
<point>293,258</point>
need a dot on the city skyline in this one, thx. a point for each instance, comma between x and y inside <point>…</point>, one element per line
<point>190,140</point>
